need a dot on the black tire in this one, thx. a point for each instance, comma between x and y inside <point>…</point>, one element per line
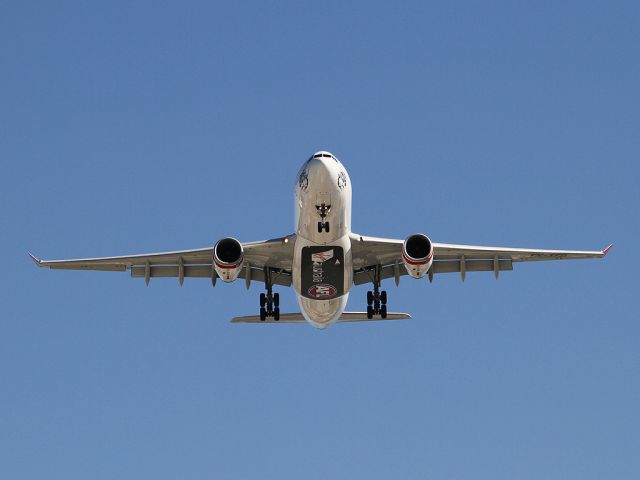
<point>383,311</point>
<point>319,227</point>
<point>263,314</point>
<point>276,314</point>
<point>326,227</point>
<point>263,300</point>
<point>383,297</point>
<point>369,312</point>
<point>276,299</point>
<point>369,297</point>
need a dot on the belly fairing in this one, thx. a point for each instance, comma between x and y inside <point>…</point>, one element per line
<point>322,278</point>
<point>322,313</point>
<point>322,272</point>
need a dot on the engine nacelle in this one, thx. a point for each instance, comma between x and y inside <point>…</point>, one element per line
<point>228,257</point>
<point>417,254</point>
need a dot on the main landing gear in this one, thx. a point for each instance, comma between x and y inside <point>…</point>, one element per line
<point>376,300</point>
<point>269,302</point>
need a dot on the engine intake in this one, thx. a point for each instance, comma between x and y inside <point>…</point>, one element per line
<point>228,257</point>
<point>417,254</point>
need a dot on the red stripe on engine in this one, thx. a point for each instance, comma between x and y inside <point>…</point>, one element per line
<point>411,261</point>
<point>226,266</point>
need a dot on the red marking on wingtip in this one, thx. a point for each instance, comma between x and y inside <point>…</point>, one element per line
<point>606,250</point>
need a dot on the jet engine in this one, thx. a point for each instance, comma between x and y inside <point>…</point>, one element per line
<point>417,254</point>
<point>227,259</point>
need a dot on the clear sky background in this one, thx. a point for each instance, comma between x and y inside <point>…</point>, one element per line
<point>146,126</point>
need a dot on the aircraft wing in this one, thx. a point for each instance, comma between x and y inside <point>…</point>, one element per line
<point>275,254</point>
<point>370,252</point>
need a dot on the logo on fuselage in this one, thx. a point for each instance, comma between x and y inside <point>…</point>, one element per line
<point>303,180</point>
<point>342,180</point>
<point>322,272</point>
<point>322,256</point>
<point>322,291</point>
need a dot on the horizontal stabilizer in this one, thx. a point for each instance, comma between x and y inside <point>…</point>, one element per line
<point>346,317</point>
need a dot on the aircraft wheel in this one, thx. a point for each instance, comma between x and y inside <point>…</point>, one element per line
<point>369,312</point>
<point>276,299</point>
<point>263,300</point>
<point>276,313</point>
<point>369,297</point>
<point>263,314</point>
<point>383,311</point>
<point>326,227</point>
<point>383,297</point>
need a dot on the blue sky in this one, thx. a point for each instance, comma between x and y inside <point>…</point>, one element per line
<point>144,126</point>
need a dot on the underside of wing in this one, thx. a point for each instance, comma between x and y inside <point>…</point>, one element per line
<point>384,255</point>
<point>122,263</point>
<point>444,251</point>
<point>274,255</point>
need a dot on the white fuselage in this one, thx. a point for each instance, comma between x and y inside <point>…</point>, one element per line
<point>322,262</point>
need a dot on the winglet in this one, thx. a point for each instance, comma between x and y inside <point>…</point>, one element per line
<point>35,259</point>
<point>606,250</point>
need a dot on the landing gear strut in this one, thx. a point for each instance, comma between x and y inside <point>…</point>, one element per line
<point>376,300</point>
<point>323,210</point>
<point>323,226</point>
<point>269,302</point>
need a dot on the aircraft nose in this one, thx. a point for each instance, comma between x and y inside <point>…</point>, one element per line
<point>317,164</point>
<point>317,169</point>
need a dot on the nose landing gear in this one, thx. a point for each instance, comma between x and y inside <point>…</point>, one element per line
<point>323,210</point>
<point>269,302</point>
<point>323,226</point>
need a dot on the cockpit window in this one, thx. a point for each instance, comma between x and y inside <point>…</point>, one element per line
<point>321,155</point>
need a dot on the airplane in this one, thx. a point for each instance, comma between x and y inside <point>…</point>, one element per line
<point>323,259</point>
